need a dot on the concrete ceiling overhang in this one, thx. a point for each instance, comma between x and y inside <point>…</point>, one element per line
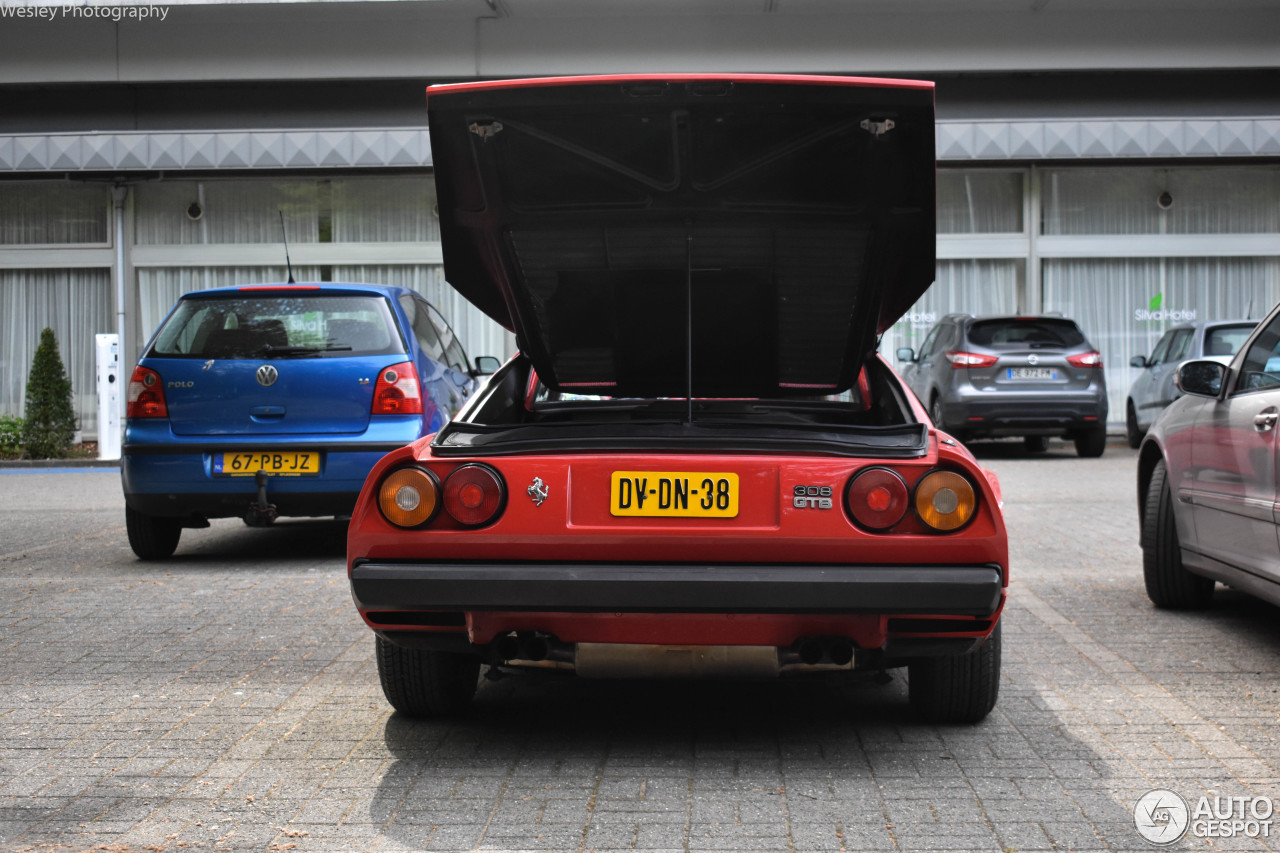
<point>957,141</point>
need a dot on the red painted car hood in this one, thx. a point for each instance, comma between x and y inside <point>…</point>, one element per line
<point>746,235</point>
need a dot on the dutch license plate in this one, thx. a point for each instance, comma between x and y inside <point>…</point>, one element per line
<point>684,494</point>
<point>276,463</point>
<point>1031,373</point>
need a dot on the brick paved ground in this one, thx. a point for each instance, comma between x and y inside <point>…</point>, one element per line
<point>228,700</point>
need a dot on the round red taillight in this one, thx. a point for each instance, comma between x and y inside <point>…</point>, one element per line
<point>474,495</point>
<point>877,498</point>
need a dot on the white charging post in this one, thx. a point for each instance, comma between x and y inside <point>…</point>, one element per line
<point>109,382</point>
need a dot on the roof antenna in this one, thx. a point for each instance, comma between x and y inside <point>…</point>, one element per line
<point>285,236</point>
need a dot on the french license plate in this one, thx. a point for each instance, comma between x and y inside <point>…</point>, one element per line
<point>275,463</point>
<point>1031,373</point>
<point>682,494</point>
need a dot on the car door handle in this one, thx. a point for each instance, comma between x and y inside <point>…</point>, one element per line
<point>1265,421</point>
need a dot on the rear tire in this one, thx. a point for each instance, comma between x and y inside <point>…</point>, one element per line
<point>935,413</point>
<point>150,537</point>
<point>1169,584</point>
<point>1092,443</point>
<point>1132,432</point>
<point>424,682</point>
<point>959,688</point>
<point>1036,443</point>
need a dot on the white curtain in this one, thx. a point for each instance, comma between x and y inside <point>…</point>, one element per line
<point>1125,305</point>
<point>972,287</point>
<point>53,213</point>
<point>385,210</point>
<point>975,201</point>
<point>76,304</point>
<point>238,211</point>
<point>1124,200</point>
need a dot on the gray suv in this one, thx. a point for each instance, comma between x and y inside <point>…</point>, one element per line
<point>989,377</point>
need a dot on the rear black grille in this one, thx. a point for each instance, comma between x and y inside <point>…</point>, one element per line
<point>939,626</point>
<point>419,618</point>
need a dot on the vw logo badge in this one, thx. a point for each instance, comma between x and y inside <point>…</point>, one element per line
<point>267,375</point>
<point>1031,359</point>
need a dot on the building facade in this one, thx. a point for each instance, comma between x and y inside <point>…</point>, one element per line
<point>1116,162</point>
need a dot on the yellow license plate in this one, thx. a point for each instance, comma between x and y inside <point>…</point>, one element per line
<point>684,494</point>
<point>277,464</point>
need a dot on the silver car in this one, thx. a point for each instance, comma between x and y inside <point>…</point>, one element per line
<point>989,377</point>
<point>1154,389</point>
<point>1207,479</point>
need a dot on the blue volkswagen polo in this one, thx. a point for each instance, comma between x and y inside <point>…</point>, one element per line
<point>276,400</point>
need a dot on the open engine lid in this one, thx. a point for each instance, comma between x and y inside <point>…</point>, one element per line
<point>661,235</point>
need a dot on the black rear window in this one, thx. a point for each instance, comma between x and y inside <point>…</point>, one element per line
<point>1029,332</point>
<point>269,326</point>
<point>1225,340</point>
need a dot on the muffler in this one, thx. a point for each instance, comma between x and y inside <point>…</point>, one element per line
<point>638,660</point>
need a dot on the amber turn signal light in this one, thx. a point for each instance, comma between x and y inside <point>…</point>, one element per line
<point>945,500</point>
<point>409,497</point>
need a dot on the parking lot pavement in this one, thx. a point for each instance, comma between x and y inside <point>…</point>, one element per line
<point>227,699</point>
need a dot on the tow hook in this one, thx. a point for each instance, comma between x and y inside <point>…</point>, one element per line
<point>260,513</point>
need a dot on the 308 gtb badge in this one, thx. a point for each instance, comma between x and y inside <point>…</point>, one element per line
<point>811,497</point>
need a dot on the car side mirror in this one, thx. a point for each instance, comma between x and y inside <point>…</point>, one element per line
<point>906,354</point>
<point>1138,361</point>
<point>486,365</point>
<point>1201,378</point>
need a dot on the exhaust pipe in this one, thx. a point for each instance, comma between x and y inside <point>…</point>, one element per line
<point>810,651</point>
<point>533,647</point>
<point>505,648</point>
<point>820,651</point>
<point>521,646</point>
<point>840,651</point>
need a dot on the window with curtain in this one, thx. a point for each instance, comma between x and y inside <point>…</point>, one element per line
<point>235,211</point>
<point>1127,200</point>
<point>45,213</point>
<point>962,286</point>
<point>76,304</point>
<point>385,210</point>
<point>977,201</point>
<point>1125,305</point>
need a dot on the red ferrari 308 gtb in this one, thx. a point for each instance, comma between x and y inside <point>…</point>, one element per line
<point>697,465</point>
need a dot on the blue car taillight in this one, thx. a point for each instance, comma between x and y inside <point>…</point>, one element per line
<point>398,391</point>
<point>146,395</point>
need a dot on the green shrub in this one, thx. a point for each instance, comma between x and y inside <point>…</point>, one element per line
<point>50,422</point>
<point>10,436</point>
